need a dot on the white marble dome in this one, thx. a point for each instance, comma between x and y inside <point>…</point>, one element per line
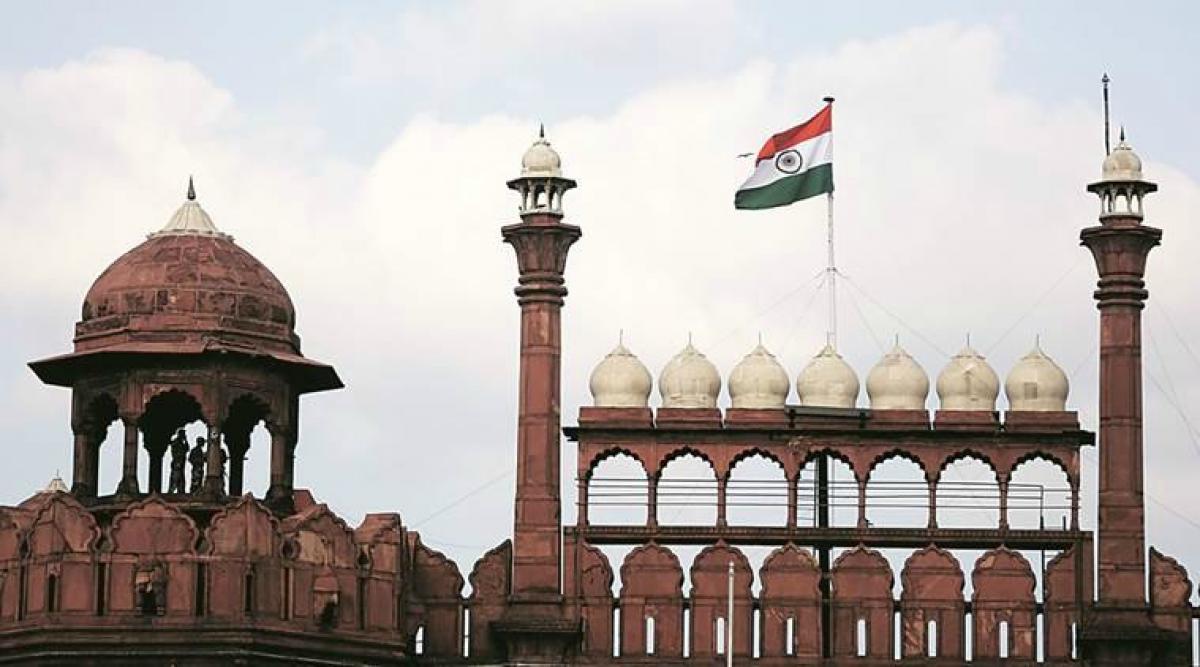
<point>759,381</point>
<point>968,383</point>
<point>1122,164</point>
<point>897,382</point>
<point>828,381</point>
<point>689,380</point>
<point>541,160</point>
<point>620,380</point>
<point>1036,384</point>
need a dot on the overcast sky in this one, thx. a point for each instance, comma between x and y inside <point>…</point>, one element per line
<point>361,150</point>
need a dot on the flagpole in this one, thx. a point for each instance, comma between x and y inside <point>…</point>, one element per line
<point>830,275</point>
<point>830,267</point>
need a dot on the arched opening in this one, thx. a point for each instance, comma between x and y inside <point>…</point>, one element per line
<point>52,593</point>
<point>719,635</point>
<point>842,493</point>
<point>897,494</point>
<point>860,638</point>
<point>102,464</point>
<point>650,635</point>
<point>687,492</point>
<point>756,493</point>
<point>245,435</point>
<point>1039,496</point>
<point>1003,637</point>
<point>617,494</point>
<point>968,495</point>
<point>170,422</point>
<point>931,638</point>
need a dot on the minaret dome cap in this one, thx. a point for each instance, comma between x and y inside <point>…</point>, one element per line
<point>541,160</point>
<point>1122,164</point>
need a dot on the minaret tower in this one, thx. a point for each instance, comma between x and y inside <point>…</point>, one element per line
<point>1120,631</point>
<point>535,629</point>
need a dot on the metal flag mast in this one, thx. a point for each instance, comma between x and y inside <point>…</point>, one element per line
<point>830,266</point>
<point>822,481</point>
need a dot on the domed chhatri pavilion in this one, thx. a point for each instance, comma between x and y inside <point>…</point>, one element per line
<point>188,328</point>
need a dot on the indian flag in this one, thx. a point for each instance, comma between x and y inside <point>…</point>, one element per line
<point>793,165</point>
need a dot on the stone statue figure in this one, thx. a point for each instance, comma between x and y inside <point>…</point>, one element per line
<point>197,457</point>
<point>179,451</point>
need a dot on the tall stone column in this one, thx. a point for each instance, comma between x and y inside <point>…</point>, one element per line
<point>535,629</point>
<point>1119,630</point>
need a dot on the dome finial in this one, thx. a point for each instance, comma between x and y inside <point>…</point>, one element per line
<point>191,195</point>
<point>1122,133</point>
<point>541,130</point>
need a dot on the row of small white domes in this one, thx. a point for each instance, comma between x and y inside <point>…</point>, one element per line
<point>897,382</point>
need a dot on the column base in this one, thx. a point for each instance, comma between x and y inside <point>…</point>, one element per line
<point>128,487</point>
<point>280,500</point>
<point>1127,636</point>
<point>538,633</point>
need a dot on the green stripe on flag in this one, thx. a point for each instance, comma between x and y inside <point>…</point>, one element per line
<point>815,181</point>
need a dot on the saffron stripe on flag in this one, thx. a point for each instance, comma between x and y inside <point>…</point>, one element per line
<point>818,124</point>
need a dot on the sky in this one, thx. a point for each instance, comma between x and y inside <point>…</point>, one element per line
<point>360,150</point>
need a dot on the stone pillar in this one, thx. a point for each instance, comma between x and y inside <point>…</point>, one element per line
<point>129,480</point>
<point>722,485</point>
<point>1119,629</point>
<point>83,483</point>
<point>535,628</point>
<point>862,504</point>
<point>1003,484</point>
<point>213,484</point>
<point>581,513</point>
<point>156,443</point>
<point>792,501</point>
<point>1120,246</point>
<point>652,500</point>
<point>932,490</point>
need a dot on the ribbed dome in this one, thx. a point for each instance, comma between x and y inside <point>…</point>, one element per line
<point>759,381</point>
<point>1036,384</point>
<point>1122,164</point>
<point>897,382</point>
<point>968,383</point>
<point>828,381</point>
<point>620,380</point>
<point>541,159</point>
<point>187,278</point>
<point>689,380</point>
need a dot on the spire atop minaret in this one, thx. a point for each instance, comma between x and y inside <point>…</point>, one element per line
<point>191,195</point>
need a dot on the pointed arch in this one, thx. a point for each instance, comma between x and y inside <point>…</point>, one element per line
<point>791,596</point>
<point>931,605</point>
<point>490,587</point>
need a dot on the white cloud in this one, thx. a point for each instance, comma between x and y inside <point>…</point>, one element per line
<point>446,48</point>
<point>959,205</point>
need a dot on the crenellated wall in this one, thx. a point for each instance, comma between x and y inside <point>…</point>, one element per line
<point>200,585</point>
